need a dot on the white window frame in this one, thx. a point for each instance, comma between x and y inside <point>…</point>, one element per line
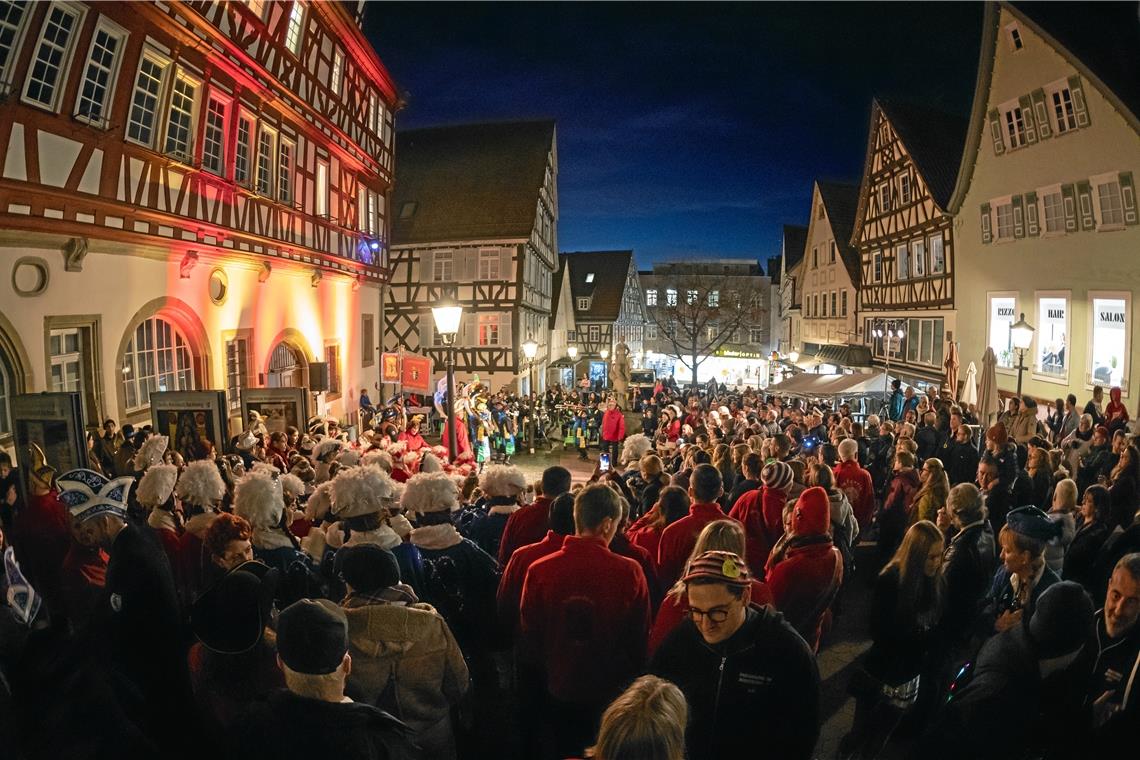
<point>119,34</point>
<point>714,299</point>
<point>295,27</point>
<point>651,332</point>
<point>78,13</point>
<point>144,362</point>
<point>1007,369</point>
<point>904,189</point>
<point>712,332</point>
<point>1038,336</point>
<point>165,66</point>
<point>488,264</point>
<point>1093,296</point>
<point>19,30</point>
<point>651,297</point>
<point>336,75</point>
<point>1011,117</point>
<point>690,297</point>
<point>1042,214</point>
<point>265,164</point>
<point>583,303</point>
<point>918,258</point>
<point>1054,98</point>
<point>595,333</point>
<point>902,261</point>
<point>489,329</point>
<point>249,148</point>
<point>256,6</point>
<point>937,238</point>
<point>1095,184</point>
<point>876,266</point>
<point>321,199</point>
<point>884,197</point>
<point>670,296</point>
<point>214,96</point>
<point>843,302</point>
<point>286,169</point>
<point>443,266</point>
<point>186,156</point>
<point>998,204</point>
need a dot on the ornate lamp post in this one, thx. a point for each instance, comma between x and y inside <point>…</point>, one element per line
<point>530,350</point>
<point>1021,332</point>
<point>890,334</point>
<point>605,354</point>
<point>447,316</point>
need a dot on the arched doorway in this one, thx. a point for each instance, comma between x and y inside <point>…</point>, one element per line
<point>287,367</point>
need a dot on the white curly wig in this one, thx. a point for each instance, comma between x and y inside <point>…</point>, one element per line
<point>377,458</point>
<point>502,480</point>
<point>201,484</point>
<point>634,448</point>
<point>361,491</point>
<point>156,485</point>
<point>430,492</point>
<point>258,499</point>
<point>151,452</point>
<point>291,485</point>
<point>320,502</point>
<point>430,463</point>
<point>348,458</point>
<point>327,448</point>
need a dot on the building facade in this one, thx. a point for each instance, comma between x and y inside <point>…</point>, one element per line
<point>905,238</point>
<point>193,196</point>
<point>729,326</point>
<point>606,294</point>
<point>1049,177</point>
<point>792,245</point>
<point>830,268</point>
<point>475,218</point>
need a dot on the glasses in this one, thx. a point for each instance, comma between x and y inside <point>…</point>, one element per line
<point>717,615</point>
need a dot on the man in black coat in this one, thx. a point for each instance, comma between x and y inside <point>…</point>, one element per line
<point>927,437</point>
<point>1112,694</point>
<point>750,680</point>
<point>960,457</point>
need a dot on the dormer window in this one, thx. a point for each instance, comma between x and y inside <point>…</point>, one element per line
<point>1013,32</point>
<point>590,278</point>
<point>583,304</point>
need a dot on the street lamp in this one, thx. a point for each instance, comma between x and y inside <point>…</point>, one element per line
<point>890,334</point>
<point>447,316</point>
<point>1021,333</point>
<point>605,354</point>
<point>530,350</point>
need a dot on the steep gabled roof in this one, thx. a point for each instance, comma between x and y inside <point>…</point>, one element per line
<point>795,240</point>
<point>933,139</point>
<point>610,270</point>
<point>469,182</point>
<point>841,200</point>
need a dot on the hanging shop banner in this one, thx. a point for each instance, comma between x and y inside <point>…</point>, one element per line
<point>279,408</point>
<point>54,423</point>
<point>195,421</point>
<point>389,368</point>
<point>415,373</point>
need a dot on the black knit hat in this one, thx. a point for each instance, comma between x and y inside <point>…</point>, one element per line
<point>312,636</point>
<point>230,617</point>
<point>366,567</point>
<point>1062,621</point>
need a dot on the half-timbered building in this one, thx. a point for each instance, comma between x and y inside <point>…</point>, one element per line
<point>606,293</point>
<point>193,196</point>
<point>790,277</point>
<point>475,218</point>
<point>905,237</point>
<point>1046,197</point>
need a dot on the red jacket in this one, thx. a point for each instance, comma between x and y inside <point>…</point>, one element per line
<point>854,481</point>
<point>585,617</point>
<point>613,425</point>
<point>525,526</point>
<point>623,547</point>
<point>673,432</point>
<point>674,609</point>
<point>761,512</point>
<point>647,538</point>
<point>679,538</point>
<point>41,537</point>
<point>511,584</point>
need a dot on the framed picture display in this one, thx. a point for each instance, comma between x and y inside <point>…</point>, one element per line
<point>195,421</point>
<point>54,422</point>
<point>279,407</point>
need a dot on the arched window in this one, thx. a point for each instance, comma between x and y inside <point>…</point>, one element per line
<point>286,367</point>
<point>6,392</point>
<point>157,358</point>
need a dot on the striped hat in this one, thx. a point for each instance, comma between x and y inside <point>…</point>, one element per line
<point>777,475</point>
<point>719,567</point>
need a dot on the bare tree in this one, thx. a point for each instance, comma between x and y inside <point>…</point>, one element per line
<point>697,316</point>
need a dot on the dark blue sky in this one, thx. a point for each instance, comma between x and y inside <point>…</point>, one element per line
<point>686,129</point>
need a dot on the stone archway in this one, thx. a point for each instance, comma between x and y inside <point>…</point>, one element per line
<point>287,364</point>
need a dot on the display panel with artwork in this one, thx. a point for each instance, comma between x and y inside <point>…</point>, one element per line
<point>195,421</point>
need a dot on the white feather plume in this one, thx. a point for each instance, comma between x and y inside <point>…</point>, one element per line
<point>348,458</point>
<point>320,502</point>
<point>156,485</point>
<point>502,480</point>
<point>430,463</point>
<point>361,491</point>
<point>292,485</point>
<point>430,492</point>
<point>201,484</point>
<point>327,447</point>
<point>257,498</point>
<point>151,452</point>
<point>377,458</point>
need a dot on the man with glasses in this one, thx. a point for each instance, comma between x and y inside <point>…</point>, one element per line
<point>750,680</point>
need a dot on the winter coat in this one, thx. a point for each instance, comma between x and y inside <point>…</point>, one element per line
<point>856,483</point>
<point>486,530</point>
<point>613,425</point>
<point>895,514</point>
<point>189,572</point>
<point>968,564</point>
<point>584,616</point>
<point>1124,496</point>
<point>1024,425</point>
<point>406,662</point>
<point>1080,559</point>
<point>1115,413</point>
<point>1056,548</point>
<point>623,547</point>
<point>224,685</point>
<point>514,574</point>
<point>675,608</point>
<point>758,540</point>
<point>844,527</point>
<point>898,647</point>
<point>804,584</point>
<point>961,462</point>
<point>679,538</point>
<point>1116,670</point>
<point>41,537</point>
<point>460,582</point>
<point>758,688</point>
<point>928,440</point>
<point>83,576</point>
<point>1002,597</point>
<point>526,526</point>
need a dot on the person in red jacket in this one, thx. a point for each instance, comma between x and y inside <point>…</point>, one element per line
<point>41,533</point>
<point>677,540</point>
<point>511,584</point>
<point>806,578</point>
<point>584,616</point>
<point>672,504</point>
<point>761,511</point>
<point>156,493</point>
<point>856,482</point>
<point>529,524</point>
<point>613,430</point>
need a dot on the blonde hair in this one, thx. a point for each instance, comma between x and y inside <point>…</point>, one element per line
<point>647,722</point>
<point>910,561</point>
<point>1065,492</point>
<point>936,482</point>
<point>720,535</point>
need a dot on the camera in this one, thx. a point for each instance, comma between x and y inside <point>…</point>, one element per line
<point>809,443</point>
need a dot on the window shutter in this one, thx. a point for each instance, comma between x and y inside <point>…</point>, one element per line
<point>425,261</point>
<point>1018,216</point>
<point>1080,107</point>
<point>467,265</point>
<point>506,268</point>
<point>425,330</point>
<point>986,235</point>
<point>995,132</point>
<point>1031,228</point>
<point>1069,196</point>
<point>1026,104</point>
<point>505,330</point>
<point>1128,198</point>
<point>1041,113</point>
<point>1084,201</point>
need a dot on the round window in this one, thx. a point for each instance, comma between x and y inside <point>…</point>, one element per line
<point>218,286</point>
<point>30,276</point>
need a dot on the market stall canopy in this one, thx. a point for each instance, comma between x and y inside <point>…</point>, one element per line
<point>810,385</point>
<point>840,356</point>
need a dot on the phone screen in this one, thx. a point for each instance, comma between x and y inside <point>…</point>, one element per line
<point>604,462</point>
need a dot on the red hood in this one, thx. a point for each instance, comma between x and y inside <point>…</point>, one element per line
<point>812,514</point>
<point>1114,394</point>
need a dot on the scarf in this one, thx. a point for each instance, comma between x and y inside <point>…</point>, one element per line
<point>443,536</point>
<point>399,595</point>
<point>160,519</point>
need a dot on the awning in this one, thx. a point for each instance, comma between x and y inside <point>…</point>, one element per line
<point>839,355</point>
<point>810,385</point>
<point>565,361</point>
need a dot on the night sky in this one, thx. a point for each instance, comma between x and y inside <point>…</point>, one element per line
<point>684,130</point>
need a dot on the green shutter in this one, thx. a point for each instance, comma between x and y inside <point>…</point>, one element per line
<point>1031,228</point>
<point>1080,107</point>
<point>1069,196</point>
<point>1041,113</point>
<point>1128,198</point>
<point>987,236</point>
<point>1018,216</point>
<point>1026,104</point>
<point>1085,205</point>
<point>995,132</point>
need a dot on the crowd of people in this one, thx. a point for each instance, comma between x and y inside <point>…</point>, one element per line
<point>301,594</point>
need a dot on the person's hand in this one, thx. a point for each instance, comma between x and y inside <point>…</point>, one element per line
<point>1007,620</point>
<point>1103,709</point>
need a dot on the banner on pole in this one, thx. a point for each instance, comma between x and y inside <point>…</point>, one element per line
<point>389,368</point>
<point>415,373</point>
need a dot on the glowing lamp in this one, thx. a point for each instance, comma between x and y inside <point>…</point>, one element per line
<point>447,316</point>
<point>530,350</point>
<point>605,354</point>
<point>794,356</point>
<point>1021,332</point>
<point>572,352</point>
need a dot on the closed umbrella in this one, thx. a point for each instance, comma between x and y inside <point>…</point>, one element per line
<point>951,365</point>
<point>989,402</point>
<point>970,386</point>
